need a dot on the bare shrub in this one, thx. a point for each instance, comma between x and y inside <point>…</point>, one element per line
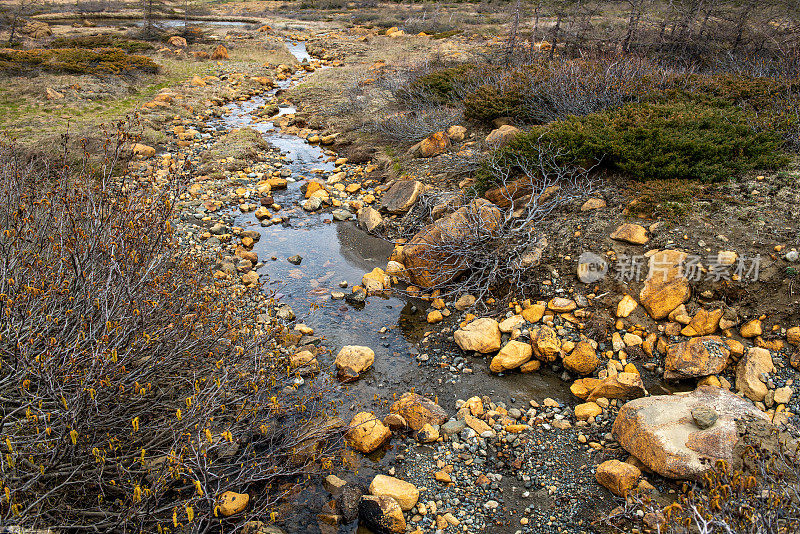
<point>482,246</point>
<point>412,126</point>
<point>135,389</point>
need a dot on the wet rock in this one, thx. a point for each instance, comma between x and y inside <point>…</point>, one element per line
<point>376,281</point>
<point>755,362</point>
<point>511,356</point>
<point>618,477</point>
<point>502,136</point>
<point>481,335</point>
<point>284,312</point>
<point>405,493</point>
<point>382,514</point>
<point>698,357</point>
<point>353,360</point>
<point>666,287</point>
<point>661,432</point>
<point>429,255</point>
<point>582,359</point>
<point>619,386</point>
<point>333,484</point>
<point>401,196</point>
<point>367,432</point>
<point>631,233</point>
<point>369,219</point>
<point>295,260</point>
<point>348,502</point>
<point>418,411</point>
<point>231,503</point>
<point>312,204</point>
<point>342,215</point>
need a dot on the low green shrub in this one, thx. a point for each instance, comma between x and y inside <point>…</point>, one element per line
<point>439,86</point>
<point>102,61</point>
<point>656,141</point>
<point>105,40</point>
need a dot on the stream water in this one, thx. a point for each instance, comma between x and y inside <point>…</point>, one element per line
<point>334,252</point>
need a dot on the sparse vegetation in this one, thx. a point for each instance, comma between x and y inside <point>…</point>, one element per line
<point>106,61</point>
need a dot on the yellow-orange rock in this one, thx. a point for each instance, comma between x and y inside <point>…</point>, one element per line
<point>434,144</point>
<point>220,52</point>
<point>666,287</point>
<point>418,411</point>
<point>701,356</point>
<point>431,256</point>
<point>231,503</point>
<point>367,432</point>
<point>511,356</point>
<point>631,233</point>
<point>617,477</point>
<point>583,359</point>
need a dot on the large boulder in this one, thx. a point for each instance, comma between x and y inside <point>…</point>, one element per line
<point>367,432</point>
<point>382,514</point>
<point>481,335</point>
<point>755,362</point>
<point>666,287</point>
<point>662,433</point>
<point>700,356</point>
<point>418,411</point>
<point>401,196</point>
<point>405,493</point>
<point>437,254</point>
<point>511,356</point>
<point>353,360</point>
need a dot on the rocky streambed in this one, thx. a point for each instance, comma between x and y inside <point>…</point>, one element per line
<point>464,418</point>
